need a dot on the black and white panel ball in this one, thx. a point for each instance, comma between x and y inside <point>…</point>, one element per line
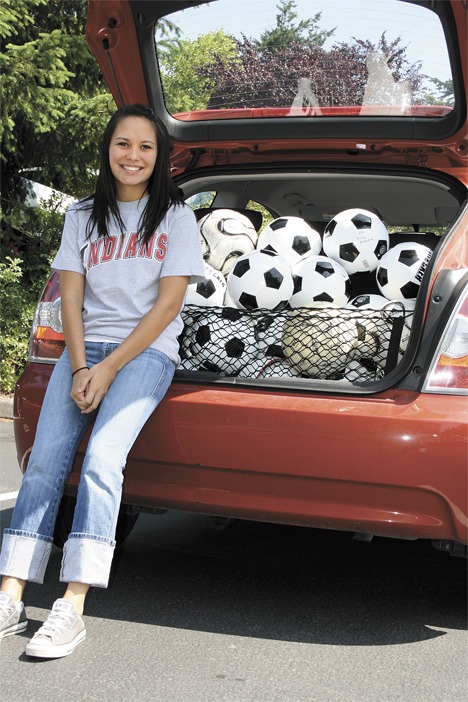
<point>357,239</point>
<point>260,280</point>
<point>226,235</point>
<point>268,333</point>
<point>290,237</point>
<point>208,292</point>
<point>368,301</point>
<point>401,270</point>
<point>319,343</point>
<point>319,280</point>
<point>222,342</point>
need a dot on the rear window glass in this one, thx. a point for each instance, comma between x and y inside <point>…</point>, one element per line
<point>307,58</point>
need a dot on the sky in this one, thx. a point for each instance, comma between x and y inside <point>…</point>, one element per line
<point>418,28</point>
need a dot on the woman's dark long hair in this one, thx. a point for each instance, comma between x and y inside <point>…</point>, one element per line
<point>161,190</point>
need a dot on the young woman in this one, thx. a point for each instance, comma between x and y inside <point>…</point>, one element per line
<point>126,257</point>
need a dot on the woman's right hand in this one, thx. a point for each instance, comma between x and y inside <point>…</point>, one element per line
<point>78,391</point>
<point>90,386</point>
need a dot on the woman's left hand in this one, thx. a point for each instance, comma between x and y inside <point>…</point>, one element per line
<point>94,385</point>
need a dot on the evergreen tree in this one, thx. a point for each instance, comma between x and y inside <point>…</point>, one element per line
<point>288,31</point>
<point>54,101</point>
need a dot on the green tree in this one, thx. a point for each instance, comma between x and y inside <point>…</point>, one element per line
<point>444,94</point>
<point>54,101</point>
<point>53,107</point>
<point>184,63</point>
<point>288,31</point>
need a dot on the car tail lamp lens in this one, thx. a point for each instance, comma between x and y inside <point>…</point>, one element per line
<point>449,370</point>
<point>47,340</point>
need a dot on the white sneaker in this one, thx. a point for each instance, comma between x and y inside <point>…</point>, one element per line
<point>12,619</point>
<point>63,630</point>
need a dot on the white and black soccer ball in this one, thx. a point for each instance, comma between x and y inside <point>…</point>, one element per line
<point>401,270</point>
<point>370,327</point>
<point>357,239</point>
<point>367,301</point>
<point>362,369</point>
<point>222,342</point>
<point>226,235</point>
<point>268,333</point>
<point>290,237</point>
<point>209,292</point>
<point>319,343</point>
<point>227,298</point>
<point>319,279</point>
<point>260,280</point>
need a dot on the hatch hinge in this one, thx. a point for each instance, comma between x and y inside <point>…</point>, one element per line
<point>105,46</point>
<point>196,153</point>
<point>416,157</point>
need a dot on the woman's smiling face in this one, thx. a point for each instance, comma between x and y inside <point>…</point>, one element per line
<point>132,157</point>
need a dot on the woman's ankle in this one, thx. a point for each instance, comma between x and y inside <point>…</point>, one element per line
<point>13,587</point>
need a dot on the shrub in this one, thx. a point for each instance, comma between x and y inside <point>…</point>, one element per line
<point>26,256</point>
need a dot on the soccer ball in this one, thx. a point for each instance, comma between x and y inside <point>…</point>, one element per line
<point>226,235</point>
<point>319,279</point>
<point>227,299</point>
<point>208,292</point>
<point>319,343</point>
<point>269,368</point>
<point>401,269</point>
<point>260,279</point>
<point>370,326</point>
<point>368,302</point>
<point>362,370</point>
<point>290,237</point>
<point>357,239</point>
<point>268,333</point>
<point>221,341</point>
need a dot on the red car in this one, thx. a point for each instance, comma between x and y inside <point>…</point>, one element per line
<point>360,424</point>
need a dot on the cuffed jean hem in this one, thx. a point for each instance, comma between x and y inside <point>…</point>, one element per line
<point>87,560</point>
<point>25,556</point>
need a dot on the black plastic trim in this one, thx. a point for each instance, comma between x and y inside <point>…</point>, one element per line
<point>445,294</point>
<point>456,188</point>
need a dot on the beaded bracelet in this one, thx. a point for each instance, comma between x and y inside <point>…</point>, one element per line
<point>78,369</point>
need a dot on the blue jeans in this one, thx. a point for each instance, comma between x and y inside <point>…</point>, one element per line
<point>134,394</point>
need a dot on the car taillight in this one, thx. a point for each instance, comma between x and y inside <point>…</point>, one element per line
<point>47,340</point>
<point>449,370</point>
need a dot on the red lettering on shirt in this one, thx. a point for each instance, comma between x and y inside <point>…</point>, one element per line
<point>146,249</point>
<point>131,249</point>
<point>161,247</point>
<point>93,253</point>
<point>119,250</point>
<point>109,248</point>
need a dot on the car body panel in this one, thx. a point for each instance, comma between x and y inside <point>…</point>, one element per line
<point>294,457</point>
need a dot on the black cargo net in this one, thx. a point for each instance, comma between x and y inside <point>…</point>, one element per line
<point>357,345</point>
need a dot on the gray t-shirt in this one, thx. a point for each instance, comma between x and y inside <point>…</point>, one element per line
<point>122,274</point>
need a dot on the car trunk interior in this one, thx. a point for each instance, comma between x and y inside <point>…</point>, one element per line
<point>415,205</point>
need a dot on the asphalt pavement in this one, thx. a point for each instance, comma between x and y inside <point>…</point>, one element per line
<point>252,613</point>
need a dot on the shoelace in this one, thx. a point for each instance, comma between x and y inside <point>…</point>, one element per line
<point>56,623</point>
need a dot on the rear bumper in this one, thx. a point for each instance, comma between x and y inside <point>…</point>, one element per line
<point>393,464</point>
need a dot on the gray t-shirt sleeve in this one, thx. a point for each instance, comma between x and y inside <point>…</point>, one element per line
<point>184,252</point>
<point>68,256</point>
